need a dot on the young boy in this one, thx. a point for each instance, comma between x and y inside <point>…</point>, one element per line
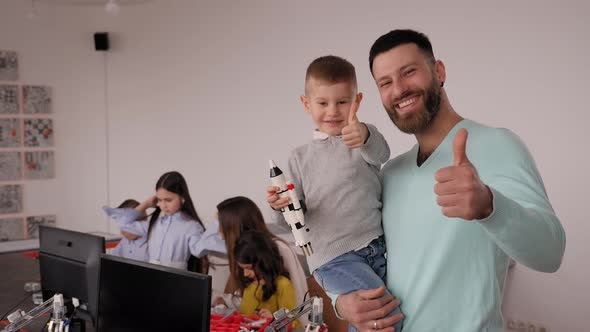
<point>337,177</point>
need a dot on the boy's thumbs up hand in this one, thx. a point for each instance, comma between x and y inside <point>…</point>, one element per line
<point>459,190</point>
<point>355,133</point>
<point>354,108</point>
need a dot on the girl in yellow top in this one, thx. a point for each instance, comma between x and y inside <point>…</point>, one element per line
<point>267,287</point>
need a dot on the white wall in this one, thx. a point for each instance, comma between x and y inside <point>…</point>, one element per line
<point>210,88</point>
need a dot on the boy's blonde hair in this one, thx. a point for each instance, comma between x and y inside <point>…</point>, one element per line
<point>330,69</point>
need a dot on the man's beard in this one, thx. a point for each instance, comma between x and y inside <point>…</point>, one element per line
<point>421,119</point>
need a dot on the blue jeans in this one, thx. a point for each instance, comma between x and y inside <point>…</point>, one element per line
<point>361,269</point>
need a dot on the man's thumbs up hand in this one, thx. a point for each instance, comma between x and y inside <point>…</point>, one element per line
<point>459,190</point>
<point>459,147</point>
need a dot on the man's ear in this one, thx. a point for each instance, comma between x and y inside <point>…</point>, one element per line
<point>306,103</point>
<point>440,72</point>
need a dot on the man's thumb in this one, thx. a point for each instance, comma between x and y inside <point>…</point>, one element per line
<point>369,294</point>
<point>459,146</point>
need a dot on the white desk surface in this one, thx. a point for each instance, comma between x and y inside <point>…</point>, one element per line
<point>33,244</point>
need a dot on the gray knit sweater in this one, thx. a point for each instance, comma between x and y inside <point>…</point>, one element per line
<point>342,191</point>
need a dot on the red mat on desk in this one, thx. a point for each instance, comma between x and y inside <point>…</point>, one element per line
<point>233,323</point>
<point>5,323</point>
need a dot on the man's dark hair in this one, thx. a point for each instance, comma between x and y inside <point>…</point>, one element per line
<point>396,38</point>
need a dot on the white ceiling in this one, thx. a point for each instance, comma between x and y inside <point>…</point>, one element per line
<point>91,2</point>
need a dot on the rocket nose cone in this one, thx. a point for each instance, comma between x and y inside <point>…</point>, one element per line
<point>274,170</point>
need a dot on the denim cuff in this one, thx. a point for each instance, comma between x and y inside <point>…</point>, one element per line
<point>333,298</point>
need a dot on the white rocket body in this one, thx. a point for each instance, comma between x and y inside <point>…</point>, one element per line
<point>293,213</point>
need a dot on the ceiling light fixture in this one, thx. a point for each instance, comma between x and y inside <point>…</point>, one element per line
<point>32,14</point>
<point>112,7</point>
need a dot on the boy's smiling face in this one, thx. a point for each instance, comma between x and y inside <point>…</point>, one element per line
<point>328,104</point>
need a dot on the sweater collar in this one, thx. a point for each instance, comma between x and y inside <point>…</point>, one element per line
<point>320,136</point>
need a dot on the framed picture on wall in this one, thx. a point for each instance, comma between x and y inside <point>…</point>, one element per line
<point>10,134</point>
<point>39,165</point>
<point>9,99</point>
<point>38,132</point>
<point>36,99</point>
<point>11,198</point>
<point>8,66</point>
<point>26,144</point>
<point>11,229</point>
<point>33,223</point>
<point>10,166</point>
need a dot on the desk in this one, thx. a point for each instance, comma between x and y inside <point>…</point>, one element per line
<point>33,244</point>
<point>16,270</point>
<point>19,263</point>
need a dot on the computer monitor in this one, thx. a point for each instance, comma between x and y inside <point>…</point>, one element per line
<point>68,262</point>
<point>138,296</point>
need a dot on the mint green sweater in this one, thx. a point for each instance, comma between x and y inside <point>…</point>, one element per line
<point>449,273</point>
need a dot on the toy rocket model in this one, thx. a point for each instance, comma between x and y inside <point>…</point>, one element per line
<point>293,213</point>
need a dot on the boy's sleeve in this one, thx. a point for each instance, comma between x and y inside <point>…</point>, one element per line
<point>296,177</point>
<point>375,151</point>
<point>522,223</point>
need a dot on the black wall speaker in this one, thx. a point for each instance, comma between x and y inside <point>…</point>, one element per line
<point>101,41</point>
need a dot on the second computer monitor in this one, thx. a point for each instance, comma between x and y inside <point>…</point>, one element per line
<point>68,264</point>
<point>138,296</point>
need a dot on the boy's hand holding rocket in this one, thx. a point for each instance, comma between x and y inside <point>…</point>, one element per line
<point>274,200</point>
<point>282,197</point>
